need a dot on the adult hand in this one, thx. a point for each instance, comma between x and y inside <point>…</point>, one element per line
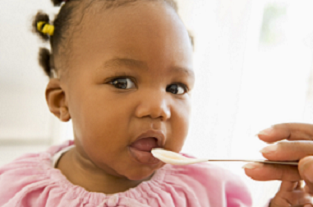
<point>291,194</point>
<point>299,146</point>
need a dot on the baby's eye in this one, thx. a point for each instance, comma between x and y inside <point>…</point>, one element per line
<point>123,83</point>
<point>176,89</point>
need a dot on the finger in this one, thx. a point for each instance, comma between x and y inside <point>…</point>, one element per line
<point>264,172</point>
<point>289,131</point>
<point>279,202</point>
<point>289,185</point>
<point>291,193</point>
<point>288,151</point>
<point>297,198</point>
<point>291,199</point>
<point>306,172</point>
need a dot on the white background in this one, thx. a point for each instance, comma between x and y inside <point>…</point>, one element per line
<point>247,78</point>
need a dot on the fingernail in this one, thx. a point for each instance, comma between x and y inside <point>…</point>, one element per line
<point>269,149</point>
<point>267,131</point>
<point>252,165</point>
<point>307,205</point>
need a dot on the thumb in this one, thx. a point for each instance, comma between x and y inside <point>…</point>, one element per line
<point>306,172</point>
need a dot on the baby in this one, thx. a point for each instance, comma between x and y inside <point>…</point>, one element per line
<point>122,71</point>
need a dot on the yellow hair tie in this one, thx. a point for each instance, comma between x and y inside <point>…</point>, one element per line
<point>45,28</point>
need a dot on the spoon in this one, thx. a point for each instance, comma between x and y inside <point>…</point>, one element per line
<point>174,158</point>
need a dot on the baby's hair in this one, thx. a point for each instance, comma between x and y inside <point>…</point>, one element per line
<point>62,24</point>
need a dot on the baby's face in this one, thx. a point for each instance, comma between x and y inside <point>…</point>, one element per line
<point>130,77</point>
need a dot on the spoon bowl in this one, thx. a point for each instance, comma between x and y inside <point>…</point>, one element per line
<point>174,158</point>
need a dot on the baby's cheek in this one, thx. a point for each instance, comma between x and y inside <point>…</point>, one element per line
<point>178,133</point>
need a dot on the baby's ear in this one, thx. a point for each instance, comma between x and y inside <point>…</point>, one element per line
<point>56,100</point>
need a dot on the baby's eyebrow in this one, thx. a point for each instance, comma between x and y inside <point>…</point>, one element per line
<point>118,62</point>
<point>189,72</point>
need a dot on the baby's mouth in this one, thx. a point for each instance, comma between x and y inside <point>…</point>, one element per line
<point>141,150</point>
<point>145,144</point>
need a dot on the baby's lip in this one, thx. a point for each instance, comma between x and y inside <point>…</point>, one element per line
<point>154,134</point>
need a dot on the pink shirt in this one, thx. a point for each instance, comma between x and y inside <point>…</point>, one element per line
<point>32,181</point>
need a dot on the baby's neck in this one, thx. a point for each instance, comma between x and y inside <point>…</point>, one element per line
<point>85,174</point>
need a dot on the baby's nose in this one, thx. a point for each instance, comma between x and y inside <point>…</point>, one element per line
<point>154,105</point>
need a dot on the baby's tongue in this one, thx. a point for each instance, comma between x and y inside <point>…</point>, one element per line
<point>145,144</point>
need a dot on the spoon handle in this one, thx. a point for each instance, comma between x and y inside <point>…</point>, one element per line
<point>260,161</point>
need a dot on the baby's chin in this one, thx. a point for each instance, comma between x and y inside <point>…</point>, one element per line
<point>142,174</point>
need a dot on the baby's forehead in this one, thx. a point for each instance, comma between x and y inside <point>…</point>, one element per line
<point>127,26</point>
<point>87,14</point>
<point>130,25</point>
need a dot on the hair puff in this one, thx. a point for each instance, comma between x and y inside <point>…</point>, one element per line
<point>40,16</point>
<point>45,61</point>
